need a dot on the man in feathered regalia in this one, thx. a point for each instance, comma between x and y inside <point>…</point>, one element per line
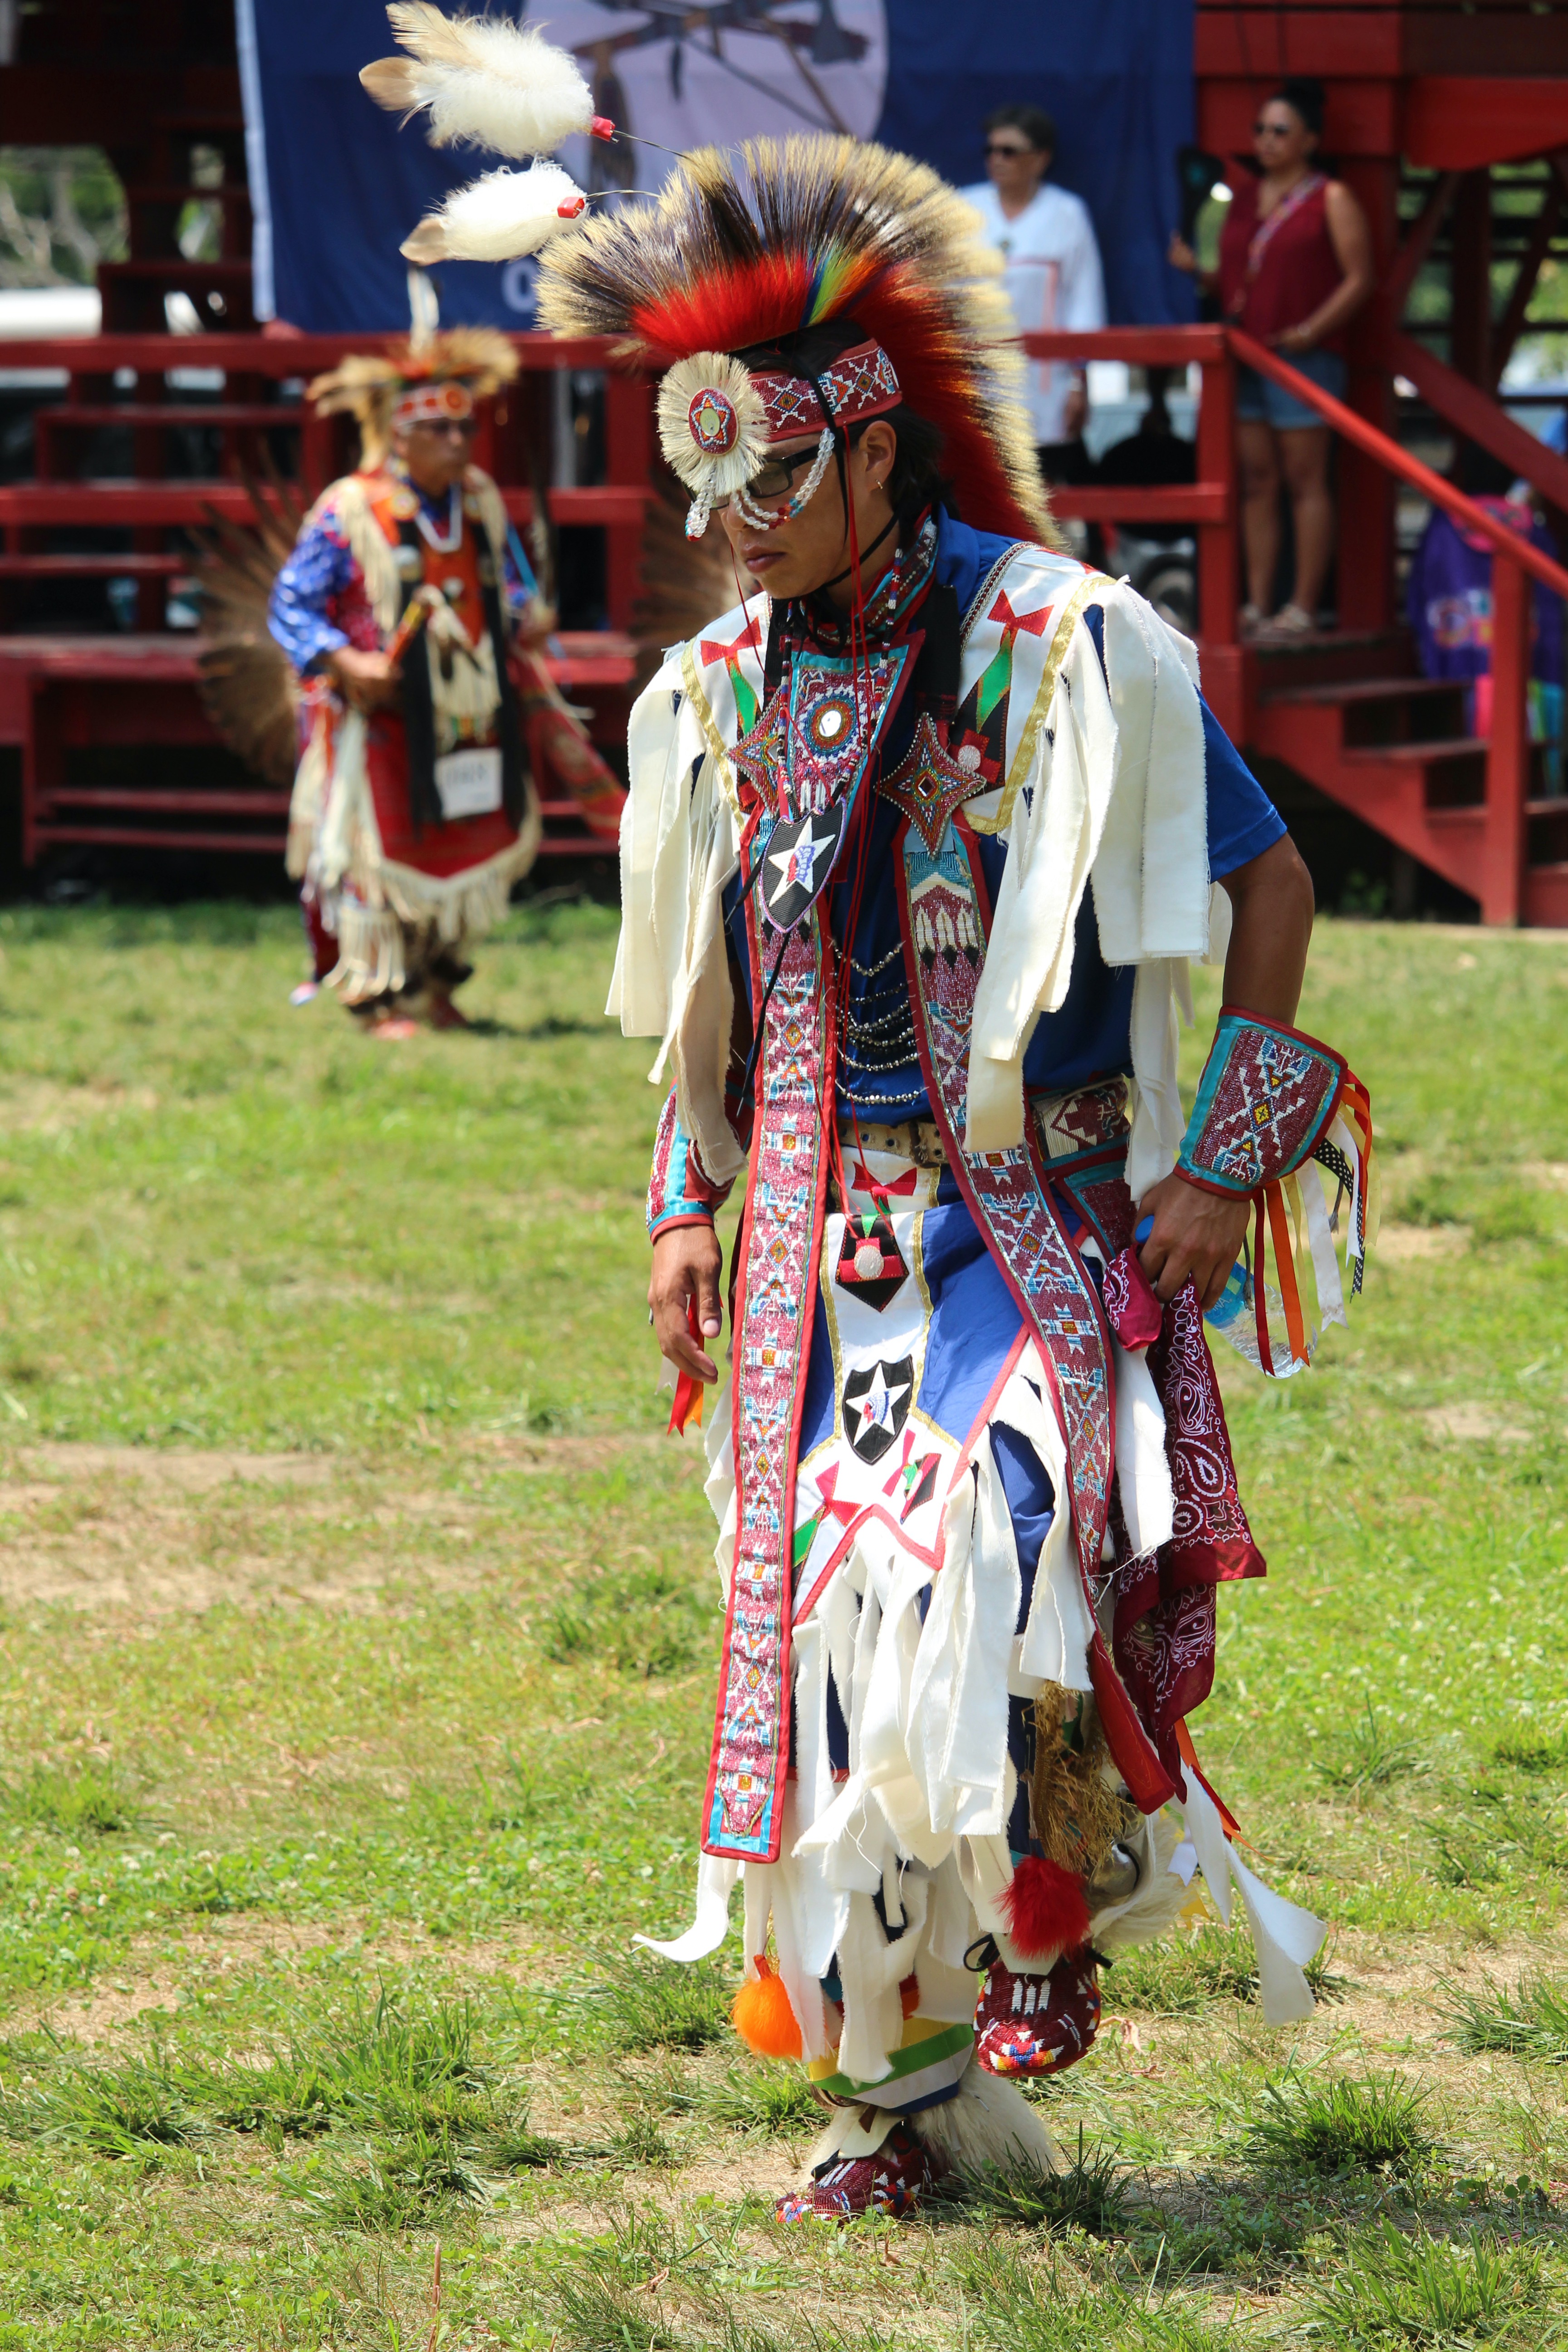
<point>412,619</point>
<point>922,839</point>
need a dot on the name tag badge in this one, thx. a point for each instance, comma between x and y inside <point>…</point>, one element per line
<point>470,782</point>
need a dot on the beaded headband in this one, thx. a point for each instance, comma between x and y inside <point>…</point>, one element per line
<point>449,401</point>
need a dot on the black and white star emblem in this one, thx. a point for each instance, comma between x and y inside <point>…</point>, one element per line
<point>797,864</point>
<point>877,1405</point>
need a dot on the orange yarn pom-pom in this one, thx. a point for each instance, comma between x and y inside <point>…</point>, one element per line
<point>763,2017</point>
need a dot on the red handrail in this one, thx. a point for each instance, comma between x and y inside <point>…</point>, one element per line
<point>1499,538</point>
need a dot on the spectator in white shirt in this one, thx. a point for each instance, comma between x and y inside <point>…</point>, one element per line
<point>1052,276</point>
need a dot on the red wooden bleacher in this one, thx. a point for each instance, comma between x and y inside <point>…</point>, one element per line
<point>61,694</point>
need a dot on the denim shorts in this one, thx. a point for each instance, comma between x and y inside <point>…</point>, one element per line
<point>1259,400</point>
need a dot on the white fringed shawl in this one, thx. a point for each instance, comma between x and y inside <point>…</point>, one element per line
<point>1104,786</point>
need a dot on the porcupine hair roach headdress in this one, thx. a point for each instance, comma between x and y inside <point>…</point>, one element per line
<point>749,249</point>
<point>437,376</point>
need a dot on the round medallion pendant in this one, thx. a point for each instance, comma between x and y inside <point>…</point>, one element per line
<point>714,426</point>
<point>830,723</point>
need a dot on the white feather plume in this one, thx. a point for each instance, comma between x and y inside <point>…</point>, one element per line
<point>483,80</point>
<point>498,217</point>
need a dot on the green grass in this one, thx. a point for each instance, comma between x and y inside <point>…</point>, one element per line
<point>1379,2124</point>
<point>1532,2022</point>
<point>357,1638</point>
<point>1389,2289</point>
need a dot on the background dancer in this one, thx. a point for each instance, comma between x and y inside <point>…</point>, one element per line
<point>411,618</point>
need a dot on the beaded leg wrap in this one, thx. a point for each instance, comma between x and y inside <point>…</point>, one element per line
<point>1038,2025</point>
<point>892,2181</point>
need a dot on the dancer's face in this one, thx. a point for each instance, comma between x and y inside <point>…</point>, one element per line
<point>436,454</point>
<point>807,550</point>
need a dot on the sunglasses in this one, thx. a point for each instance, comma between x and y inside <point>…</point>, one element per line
<point>773,480</point>
<point>1000,147</point>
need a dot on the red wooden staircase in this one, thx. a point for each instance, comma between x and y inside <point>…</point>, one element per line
<point>1346,710</point>
<point>1391,747</point>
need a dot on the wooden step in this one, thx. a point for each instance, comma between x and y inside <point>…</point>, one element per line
<point>175,270</point>
<point>89,416</point>
<point>95,565</point>
<point>1352,691</point>
<point>1438,747</point>
<point>1337,654</point>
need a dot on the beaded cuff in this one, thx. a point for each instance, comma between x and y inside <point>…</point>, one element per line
<point>1270,1101</point>
<point>679,1194</point>
<point>1266,1098</point>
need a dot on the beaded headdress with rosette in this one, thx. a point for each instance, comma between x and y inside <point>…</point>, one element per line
<point>427,379</point>
<point>746,249</point>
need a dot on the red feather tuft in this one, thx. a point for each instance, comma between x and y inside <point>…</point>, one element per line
<point>763,2017</point>
<point>1045,1907</point>
<point>726,310</point>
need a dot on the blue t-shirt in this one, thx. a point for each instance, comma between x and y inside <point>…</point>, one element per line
<point>1090,1036</point>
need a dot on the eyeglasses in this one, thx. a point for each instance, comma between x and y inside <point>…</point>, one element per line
<point>1000,147</point>
<point>773,480</point>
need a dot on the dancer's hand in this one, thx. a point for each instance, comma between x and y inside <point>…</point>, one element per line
<point>687,1264</point>
<point>368,680</point>
<point>1195,1232</point>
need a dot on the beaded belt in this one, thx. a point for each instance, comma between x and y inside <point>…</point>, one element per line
<point>1069,1123</point>
<point>919,1139</point>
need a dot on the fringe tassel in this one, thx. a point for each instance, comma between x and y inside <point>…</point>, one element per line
<point>1303,1253</point>
<point>309,798</point>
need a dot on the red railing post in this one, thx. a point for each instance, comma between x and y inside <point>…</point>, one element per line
<point>628,461</point>
<point>1501,876</point>
<point>1219,568</point>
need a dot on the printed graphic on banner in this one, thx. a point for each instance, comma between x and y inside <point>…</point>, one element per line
<point>716,71</point>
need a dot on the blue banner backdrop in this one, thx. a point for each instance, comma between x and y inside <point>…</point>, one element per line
<point>338,185</point>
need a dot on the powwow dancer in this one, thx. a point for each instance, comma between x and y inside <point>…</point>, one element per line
<point>920,842</point>
<point>926,833</point>
<point>412,618</point>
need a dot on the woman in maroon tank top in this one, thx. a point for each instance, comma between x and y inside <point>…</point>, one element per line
<point>1295,263</point>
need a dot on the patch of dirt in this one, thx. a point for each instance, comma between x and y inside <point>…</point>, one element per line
<point>528,1453</point>
<point>1400,1244</point>
<point>1550,1174</point>
<point>153,1977</point>
<point>156,1531</point>
<point>43,1106</point>
<point>188,1471</point>
<point>1472,1424</point>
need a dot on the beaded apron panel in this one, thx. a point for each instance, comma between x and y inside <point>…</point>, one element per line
<point>946,945</point>
<point>773,1326</point>
<point>806,756</point>
<point>945,921</point>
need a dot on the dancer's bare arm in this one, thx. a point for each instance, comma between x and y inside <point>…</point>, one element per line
<point>1196,1232</point>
